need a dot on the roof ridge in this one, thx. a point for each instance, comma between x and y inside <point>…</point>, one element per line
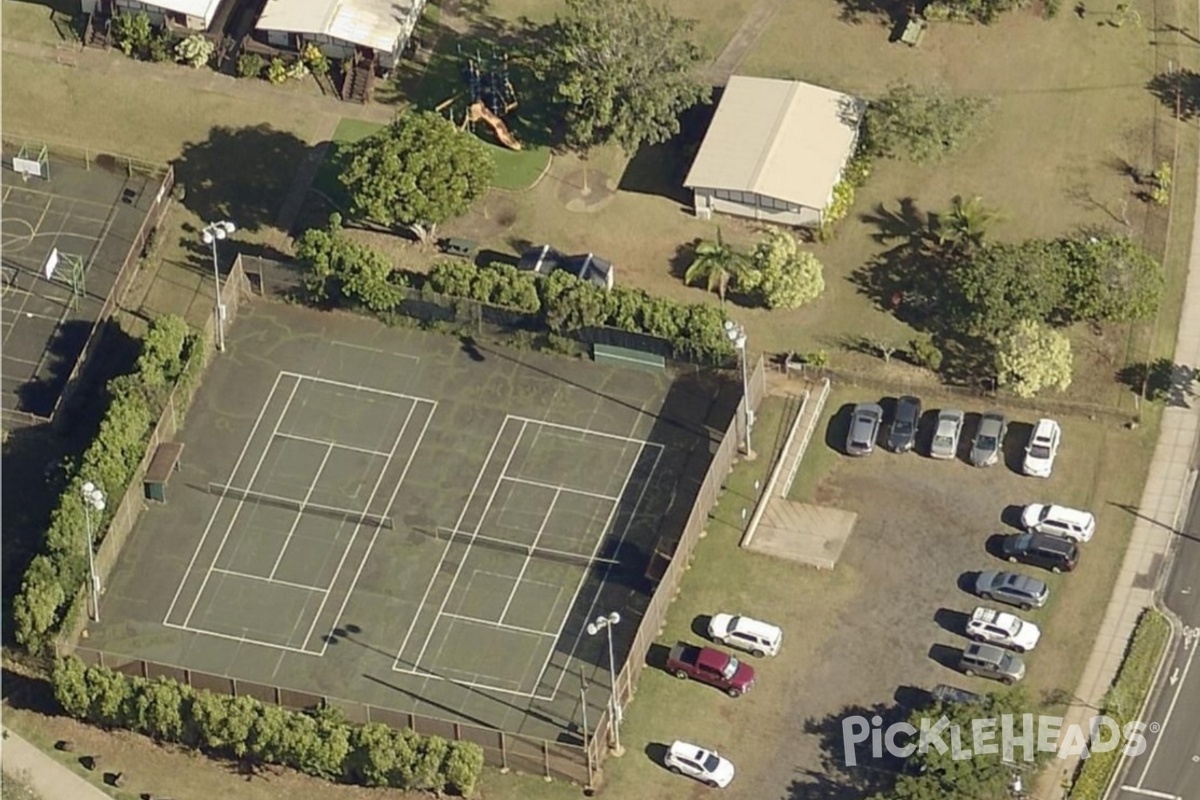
<point>775,141</point>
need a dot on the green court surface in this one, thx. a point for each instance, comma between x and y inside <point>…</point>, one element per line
<point>405,520</point>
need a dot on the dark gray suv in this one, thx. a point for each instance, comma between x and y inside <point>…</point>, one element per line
<point>903,434</point>
<point>1012,588</point>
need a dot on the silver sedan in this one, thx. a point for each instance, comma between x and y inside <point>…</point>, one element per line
<point>945,435</point>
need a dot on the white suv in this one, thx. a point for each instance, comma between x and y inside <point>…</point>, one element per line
<point>696,762</point>
<point>1042,448</point>
<point>744,633</point>
<point>1002,628</point>
<point>1060,521</point>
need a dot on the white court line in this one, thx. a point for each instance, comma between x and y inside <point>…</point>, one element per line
<point>374,350</point>
<point>356,386</point>
<point>1167,718</point>
<point>412,456</point>
<point>558,489</point>
<point>457,526</point>
<point>8,357</point>
<point>330,444</point>
<point>487,623</point>
<point>537,537</point>
<point>354,536</point>
<point>237,464</point>
<point>1148,793</point>
<point>587,432</point>
<point>242,639</point>
<point>462,563</point>
<point>470,684</point>
<point>241,503</point>
<point>312,487</point>
<point>607,567</point>
<point>252,577</point>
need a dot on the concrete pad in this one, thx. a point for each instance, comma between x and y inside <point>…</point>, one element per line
<point>813,535</point>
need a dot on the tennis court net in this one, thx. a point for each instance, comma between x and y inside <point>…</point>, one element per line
<point>299,506</point>
<point>601,558</point>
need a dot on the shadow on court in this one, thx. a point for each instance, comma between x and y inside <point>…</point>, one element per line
<point>513,496</point>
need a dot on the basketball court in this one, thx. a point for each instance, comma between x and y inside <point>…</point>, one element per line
<point>376,516</point>
<point>65,233</point>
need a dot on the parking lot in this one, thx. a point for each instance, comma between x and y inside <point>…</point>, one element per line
<point>884,627</point>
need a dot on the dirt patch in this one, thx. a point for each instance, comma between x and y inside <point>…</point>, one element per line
<point>586,191</point>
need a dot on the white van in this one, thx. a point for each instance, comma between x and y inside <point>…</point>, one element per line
<point>744,633</point>
<point>1060,521</point>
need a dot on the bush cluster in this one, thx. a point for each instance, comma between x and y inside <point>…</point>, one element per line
<point>346,273</point>
<point>318,742</point>
<point>169,352</point>
<point>1124,700</point>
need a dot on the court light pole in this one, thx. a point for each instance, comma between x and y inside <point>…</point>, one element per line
<point>212,234</point>
<point>93,499</point>
<point>736,334</point>
<point>606,623</point>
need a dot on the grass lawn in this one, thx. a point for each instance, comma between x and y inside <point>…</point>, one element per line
<point>42,22</point>
<point>326,181</point>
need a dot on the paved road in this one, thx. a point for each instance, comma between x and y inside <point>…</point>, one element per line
<point>1170,767</point>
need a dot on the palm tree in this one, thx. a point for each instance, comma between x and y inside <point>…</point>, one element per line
<point>965,225</point>
<point>717,263</point>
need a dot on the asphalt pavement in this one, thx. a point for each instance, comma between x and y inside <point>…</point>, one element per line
<point>1169,769</point>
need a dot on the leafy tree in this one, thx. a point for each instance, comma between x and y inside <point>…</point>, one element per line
<point>132,32</point>
<point>195,50</point>
<point>1032,357</point>
<point>964,225</point>
<point>1110,278</point>
<point>923,124</point>
<point>987,291</point>
<point>418,172</point>
<point>718,264</point>
<point>341,269</point>
<point>784,275</point>
<point>625,71</point>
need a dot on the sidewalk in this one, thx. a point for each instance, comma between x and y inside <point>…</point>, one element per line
<point>1163,500</point>
<point>50,779</point>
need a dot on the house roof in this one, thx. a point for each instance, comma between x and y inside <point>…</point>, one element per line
<point>204,9</point>
<point>783,139</point>
<point>378,24</point>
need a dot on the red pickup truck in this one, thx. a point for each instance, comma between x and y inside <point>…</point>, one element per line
<point>712,667</point>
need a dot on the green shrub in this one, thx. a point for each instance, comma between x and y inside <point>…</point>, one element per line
<point>161,48</point>
<point>314,59</point>
<point>925,353</point>
<point>132,33</point>
<point>195,50</point>
<point>318,742</point>
<point>277,71</point>
<point>249,65</point>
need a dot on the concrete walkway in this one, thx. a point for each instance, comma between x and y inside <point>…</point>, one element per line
<point>48,778</point>
<point>1164,500</point>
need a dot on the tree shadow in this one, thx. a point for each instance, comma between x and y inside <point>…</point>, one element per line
<point>685,254</point>
<point>869,774</point>
<point>1161,381</point>
<point>881,12</point>
<point>1182,85</point>
<point>240,174</point>
<point>661,169</point>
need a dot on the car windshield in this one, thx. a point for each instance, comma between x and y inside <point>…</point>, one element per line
<point>1039,451</point>
<point>987,443</point>
<point>731,668</point>
<point>902,426</point>
<point>711,763</point>
<point>943,440</point>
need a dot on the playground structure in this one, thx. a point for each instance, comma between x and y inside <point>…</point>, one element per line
<point>490,96</point>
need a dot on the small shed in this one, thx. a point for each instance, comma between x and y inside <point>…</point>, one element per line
<point>774,151</point>
<point>341,27</point>
<point>194,15</point>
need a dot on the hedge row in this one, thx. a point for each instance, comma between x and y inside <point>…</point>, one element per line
<point>347,273</point>
<point>318,742</point>
<point>1124,700</point>
<point>169,353</point>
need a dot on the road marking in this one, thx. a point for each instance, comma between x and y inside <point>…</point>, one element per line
<point>1167,717</point>
<point>1148,793</point>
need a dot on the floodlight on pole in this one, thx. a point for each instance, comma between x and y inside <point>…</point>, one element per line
<point>606,623</point>
<point>93,500</point>
<point>736,334</point>
<point>212,234</point>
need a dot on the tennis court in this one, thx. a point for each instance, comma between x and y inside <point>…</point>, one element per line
<point>387,517</point>
<point>89,219</point>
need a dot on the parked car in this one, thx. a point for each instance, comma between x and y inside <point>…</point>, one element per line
<point>744,633</point>
<point>1045,550</point>
<point>1042,449</point>
<point>989,661</point>
<point>1002,629</point>
<point>989,439</point>
<point>944,693</point>
<point>711,666</point>
<point>946,434</point>
<point>706,766</point>
<point>544,259</point>
<point>1060,521</point>
<point>903,434</point>
<point>864,429</point>
<point>1012,588</point>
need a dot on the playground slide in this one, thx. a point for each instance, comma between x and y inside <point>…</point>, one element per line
<point>480,111</point>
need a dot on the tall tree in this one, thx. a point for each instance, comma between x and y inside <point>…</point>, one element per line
<point>1110,278</point>
<point>1031,357</point>
<point>624,69</point>
<point>417,172</point>
<point>965,225</point>
<point>718,264</point>
<point>784,275</point>
<point>923,124</point>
